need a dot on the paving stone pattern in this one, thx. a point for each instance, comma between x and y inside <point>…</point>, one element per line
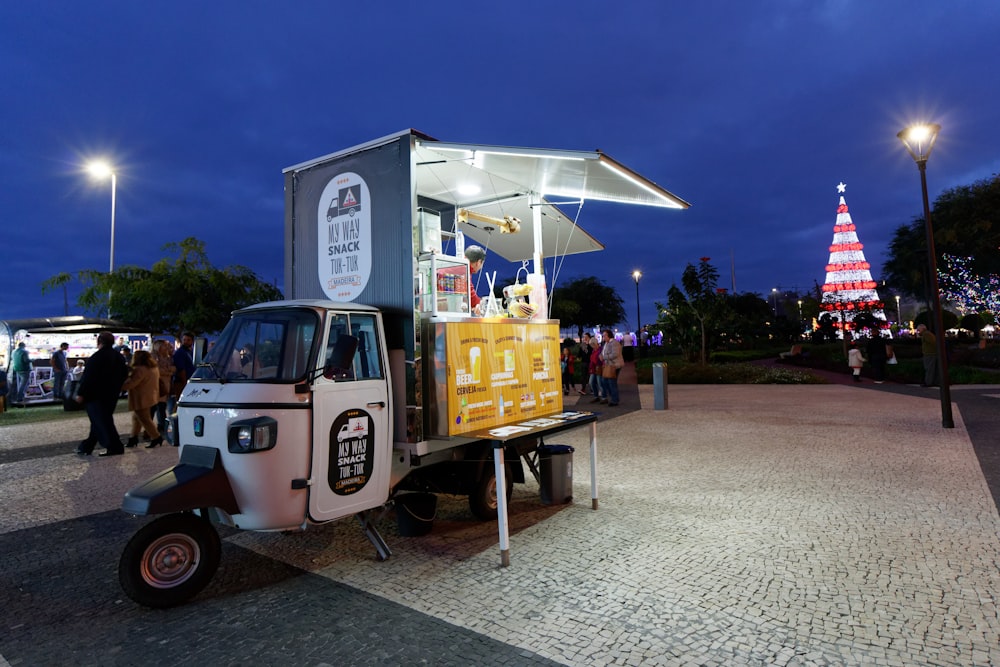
<point>746,525</point>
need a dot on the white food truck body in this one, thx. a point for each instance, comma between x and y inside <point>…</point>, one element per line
<point>373,379</point>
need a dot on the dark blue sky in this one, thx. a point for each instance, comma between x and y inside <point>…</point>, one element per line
<point>753,112</point>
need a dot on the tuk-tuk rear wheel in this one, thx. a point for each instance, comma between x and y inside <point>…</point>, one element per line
<point>483,499</point>
<point>170,560</point>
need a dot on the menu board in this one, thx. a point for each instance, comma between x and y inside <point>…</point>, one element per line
<point>501,372</point>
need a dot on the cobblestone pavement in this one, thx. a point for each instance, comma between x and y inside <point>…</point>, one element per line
<point>745,525</point>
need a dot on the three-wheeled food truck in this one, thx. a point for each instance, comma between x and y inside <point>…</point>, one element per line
<point>374,380</point>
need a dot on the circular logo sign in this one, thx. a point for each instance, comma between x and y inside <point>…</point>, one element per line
<point>344,237</point>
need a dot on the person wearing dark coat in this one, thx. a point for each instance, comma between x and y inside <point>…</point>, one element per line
<point>99,389</point>
<point>878,357</point>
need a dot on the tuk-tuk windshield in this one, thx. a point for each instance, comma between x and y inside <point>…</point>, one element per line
<point>266,345</point>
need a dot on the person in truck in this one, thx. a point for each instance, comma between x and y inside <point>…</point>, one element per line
<point>477,257</point>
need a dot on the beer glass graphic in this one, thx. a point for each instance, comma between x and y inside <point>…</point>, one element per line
<point>508,360</point>
<point>475,363</point>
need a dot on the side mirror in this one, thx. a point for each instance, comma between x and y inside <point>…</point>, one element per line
<point>340,363</point>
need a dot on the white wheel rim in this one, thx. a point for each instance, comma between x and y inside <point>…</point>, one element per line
<point>170,560</point>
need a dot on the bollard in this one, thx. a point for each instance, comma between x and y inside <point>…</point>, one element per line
<point>659,386</point>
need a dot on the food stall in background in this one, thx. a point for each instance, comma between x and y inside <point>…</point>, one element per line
<point>43,336</point>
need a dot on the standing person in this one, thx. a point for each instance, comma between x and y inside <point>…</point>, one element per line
<point>611,355</point>
<point>595,367</point>
<point>4,387</point>
<point>628,352</point>
<point>584,356</point>
<point>183,370</point>
<point>477,257</point>
<point>20,369</point>
<point>878,357</point>
<point>928,348</point>
<point>75,376</point>
<point>60,368</point>
<point>855,360</point>
<point>566,361</point>
<point>164,351</point>
<point>143,387</point>
<point>99,390</point>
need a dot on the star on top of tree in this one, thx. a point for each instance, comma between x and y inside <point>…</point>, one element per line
<point>841,187</point>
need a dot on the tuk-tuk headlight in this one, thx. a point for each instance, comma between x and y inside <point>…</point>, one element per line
<point>253,435</point>
<point>244,437</point>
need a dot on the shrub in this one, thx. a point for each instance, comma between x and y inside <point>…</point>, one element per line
<point>679,372</point>
<point>738,356</point>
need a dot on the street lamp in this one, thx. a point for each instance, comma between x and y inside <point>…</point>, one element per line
<point>899,317</point>
<point>638,318</point>
<point>801,326</point>
<point>919,140</point>
<point>100,169</point>
<point>774,299</point>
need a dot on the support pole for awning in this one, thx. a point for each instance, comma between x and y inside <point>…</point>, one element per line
<point>539,291</point>
<point>536,229</point>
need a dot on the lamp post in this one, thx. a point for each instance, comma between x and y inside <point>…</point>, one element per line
<point>638,318</point>
<point>102,170</point>
<point>899,316</point>
<point>774,300</point>
<point>919,140</point>
<point>801,325</point>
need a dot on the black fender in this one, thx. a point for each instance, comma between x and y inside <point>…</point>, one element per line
<point>197,481</point>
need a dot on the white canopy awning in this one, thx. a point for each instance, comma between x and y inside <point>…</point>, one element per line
<point>500,181</point>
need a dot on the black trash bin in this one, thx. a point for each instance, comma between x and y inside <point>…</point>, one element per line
<point>415,513</point>
<point>555,470</point>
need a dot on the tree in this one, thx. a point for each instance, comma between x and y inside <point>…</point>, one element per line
<point>966,222</point>
<point>827,327</point>
<point>925,317</point>
<point>969,292</point>
<point>968,217</point>
<point>972,322</point>
<point>692,312</point>
<point>744,319</point>
<point>906,268</point>
<point>60,280</point>
<point>188,294</point>
<point>587,302</point>
<point>866,320</point>
<point>810,310</point>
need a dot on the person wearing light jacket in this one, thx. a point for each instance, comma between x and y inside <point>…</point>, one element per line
<point>611,355</point>
<point>855,360</point>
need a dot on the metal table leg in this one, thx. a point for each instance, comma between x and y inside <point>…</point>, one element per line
<point>502,526</point>
<point>593,465</point>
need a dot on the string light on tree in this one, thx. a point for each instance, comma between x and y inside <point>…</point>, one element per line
<point>849,288</point>
<point>967,290</point>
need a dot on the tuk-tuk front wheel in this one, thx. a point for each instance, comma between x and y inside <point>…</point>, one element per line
<point>170,560</point>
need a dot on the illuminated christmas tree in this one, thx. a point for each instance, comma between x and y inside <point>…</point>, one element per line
<point>849,288</point>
